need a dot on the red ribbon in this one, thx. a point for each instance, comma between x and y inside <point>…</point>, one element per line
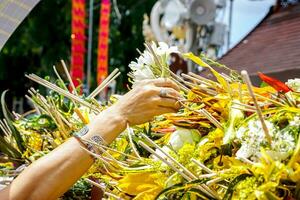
<point>103,37</point>
<point>78,41</point>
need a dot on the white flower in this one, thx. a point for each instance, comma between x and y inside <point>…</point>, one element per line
<point>182,136</point>
<point>252,138</point>
<point>145,67</point>
<point>294,84</point>
<point>295,121</point>
<point>163,49</point>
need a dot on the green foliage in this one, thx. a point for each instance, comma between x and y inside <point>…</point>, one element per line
<point>43,39</point>
<point>80,190</point>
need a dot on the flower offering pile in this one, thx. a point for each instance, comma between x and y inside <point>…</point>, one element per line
<point>229,140</point>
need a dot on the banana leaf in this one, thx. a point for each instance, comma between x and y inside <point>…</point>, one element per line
<point>9,118</point>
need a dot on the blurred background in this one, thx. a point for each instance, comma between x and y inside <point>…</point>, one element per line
<point>257,35</point>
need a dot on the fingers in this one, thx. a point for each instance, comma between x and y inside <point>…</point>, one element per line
<point>164,82</point>
<point>169,102</point>
<point>162,110</point>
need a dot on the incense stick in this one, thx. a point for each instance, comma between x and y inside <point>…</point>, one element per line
<point>211,118</point>
<point>213,83</point>
<point>60,91</point>
<point>190,174</point>
<point>129,132</point>
<point>196,80</point>
<point>69,77</point>
<point>258,110</point>
<point>202,166</point>
<point>98,89</point>
<point>111,149</point>
<point>103,189</point>
<point>146,147</point>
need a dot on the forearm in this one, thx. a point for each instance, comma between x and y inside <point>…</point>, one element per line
<point>55,173</point>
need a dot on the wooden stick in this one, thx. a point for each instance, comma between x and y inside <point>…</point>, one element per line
<point>172,167</point>
<point>182,87</point>
<point>243,109</point>
<point>258,110</point>
<point>216,180</point>
<point>207,90</point>
<point>103,151</point>
<point>59,78</point>
<point>190,174</point>
<point>196,80</point>
<point>93,94</point>
<point>111,149</point>
<point>211,118</point>
<point>116,168</point>
<point>69,77</point>
<point>156,60</point>
<point>130,132</point>
<point>103,188</point>
<point>268,99</point>
<point>60,91</point>
<point>202,166</point>
<point>146,147</point>
<point>243,105</point>
<point>105,85</point>
<point>213,83</point>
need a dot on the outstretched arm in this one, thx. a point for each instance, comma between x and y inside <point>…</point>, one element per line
<point>52,175</point>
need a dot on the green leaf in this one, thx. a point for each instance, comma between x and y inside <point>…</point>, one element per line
<point>9,118</point>
<point>232,185</point>
<point>180,187</point>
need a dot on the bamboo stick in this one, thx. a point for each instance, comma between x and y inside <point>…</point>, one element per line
<point>129,132</point>
<point>244,105</point>
<point>211,118</point>
<point>202,166</point>
<point>69,77</point>
<point>103,189</point>
<point>190,174</point>
<point>258,110</point>
<point>209,91</point>
<point>96,91</point>
<point>196,80</point>
<point>146,147</point>
<point>243,109</point>
<point>204,79</point>
<point>60,91</point>
<point>111,149</point>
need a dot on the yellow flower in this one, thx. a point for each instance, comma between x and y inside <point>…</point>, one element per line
<point>142,185</point>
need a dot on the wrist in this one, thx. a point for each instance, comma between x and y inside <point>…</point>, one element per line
<point>108,124</point>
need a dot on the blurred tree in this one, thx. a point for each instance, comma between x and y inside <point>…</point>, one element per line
<point>43,39</point>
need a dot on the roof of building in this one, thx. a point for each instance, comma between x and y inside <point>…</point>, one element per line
<point>272,47</point>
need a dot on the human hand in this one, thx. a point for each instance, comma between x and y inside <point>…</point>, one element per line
<point>145,101</point>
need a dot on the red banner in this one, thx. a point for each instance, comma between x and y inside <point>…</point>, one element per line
<point>103,37</point>
<point>78,41</point>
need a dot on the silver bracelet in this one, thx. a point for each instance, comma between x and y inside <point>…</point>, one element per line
<point>94,139</point>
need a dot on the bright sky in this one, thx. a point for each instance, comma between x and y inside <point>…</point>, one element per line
<point>246,15</point>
